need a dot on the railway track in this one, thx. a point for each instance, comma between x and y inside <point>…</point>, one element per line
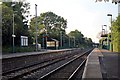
<point>68,71</point>
<point>37,71</point>
<point>16,63</point>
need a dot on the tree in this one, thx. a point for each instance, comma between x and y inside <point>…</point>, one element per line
<point>116,34</point>
<point>80,40</point>
<point>78,36</point>
<point>48,21</point>
<point>20,28</point>
<point>6,25</point>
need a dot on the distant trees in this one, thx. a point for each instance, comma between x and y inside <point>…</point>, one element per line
<point>80,40</point>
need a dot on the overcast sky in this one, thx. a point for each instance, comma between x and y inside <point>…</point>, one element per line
<point>86,16</point>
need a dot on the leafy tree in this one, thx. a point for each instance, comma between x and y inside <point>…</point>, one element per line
<point>19,9</point>
<point>80,40</point>
<point>78,36</point>
<point>48,21</point>
<point>51,20</point>
<point>6,24</point>
<point>116,34</point>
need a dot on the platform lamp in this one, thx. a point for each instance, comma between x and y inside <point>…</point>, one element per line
<point>36,27</point>
<point>61,39</point>
<point>74,41</point>
<point>13,35</point>
<point>110,28</point>
<point>107,37</point>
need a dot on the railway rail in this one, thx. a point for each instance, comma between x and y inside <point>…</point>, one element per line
<point>68,71</point>
<point>18,62</point>
<point>39,70</point>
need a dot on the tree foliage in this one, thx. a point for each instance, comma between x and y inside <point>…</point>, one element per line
<point>80,39</point>
<point>55,26</point>
<point>6,24</point>
<point>116,34</point>
<point>49,22</point>
<point>19,9</point>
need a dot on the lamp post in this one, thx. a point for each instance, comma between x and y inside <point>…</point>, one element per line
<point>74,41</point>
<point>110,20</point>
<point>43,40</point>
<point>46,34</point>
<point>46,37</point>
<point>110,28</point>
<point>36,27</point>
<point>105,34</point>
<point>69,42</point>
<point>103,30</point>
<point>106,28</point>
<point>61,39</point>
<point>13,35</point>
<point>107,37</point>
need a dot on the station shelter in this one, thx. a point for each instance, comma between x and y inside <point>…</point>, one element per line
<point>52,43</point>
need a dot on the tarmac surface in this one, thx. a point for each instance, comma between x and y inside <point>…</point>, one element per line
<point>110,65</point>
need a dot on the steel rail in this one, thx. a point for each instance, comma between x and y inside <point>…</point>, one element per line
<point>32,70</point>
<point>73,74</point>
<point>56,69</point>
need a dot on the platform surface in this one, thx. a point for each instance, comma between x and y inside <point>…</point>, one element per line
<point>102,65</point>
<point>10,55</point>
<point>111,63</point>
<point>92,67</point>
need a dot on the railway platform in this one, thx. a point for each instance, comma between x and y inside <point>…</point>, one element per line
<point>11,55</point>
<point>102,65</point>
